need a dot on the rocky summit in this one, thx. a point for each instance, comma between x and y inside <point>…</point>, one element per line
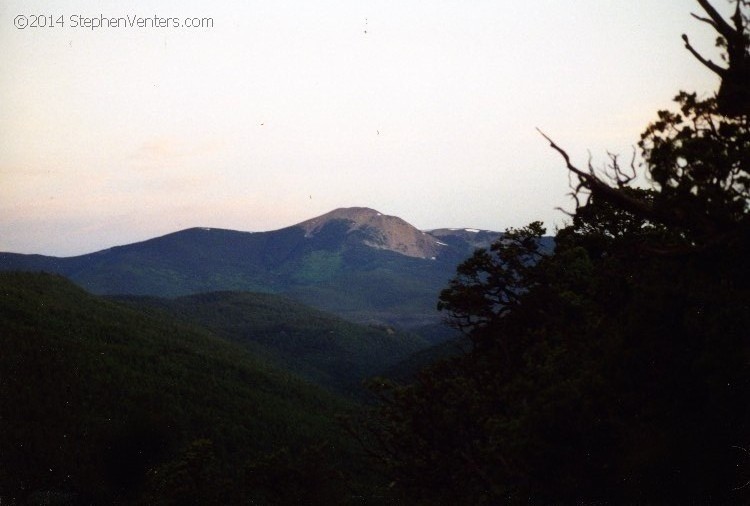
<point>378,230</point>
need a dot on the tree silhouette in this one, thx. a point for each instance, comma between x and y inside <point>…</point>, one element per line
<point>733,97</point>
<point>616,368</point>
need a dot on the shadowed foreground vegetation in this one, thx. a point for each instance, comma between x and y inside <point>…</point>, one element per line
<point>617,369</point>
<point>104,404</point>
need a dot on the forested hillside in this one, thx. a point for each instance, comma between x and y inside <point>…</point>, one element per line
<point>104,404</point>
<point>318,346</point>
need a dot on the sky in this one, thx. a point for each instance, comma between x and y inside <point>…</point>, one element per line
<point>279,111</point>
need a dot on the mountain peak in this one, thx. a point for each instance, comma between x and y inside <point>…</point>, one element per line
<point>357,215</point>
<point>378,231</point>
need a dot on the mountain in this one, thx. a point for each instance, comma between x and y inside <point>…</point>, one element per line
<point>355,262</point>
<point>315,345</point>
<point>105,404</point>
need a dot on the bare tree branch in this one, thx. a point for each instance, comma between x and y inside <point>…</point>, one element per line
<point>705,20</point>
<point>721,71</point>
<point>614,195</point>
<point>734,93</point>
<point>719,23</point>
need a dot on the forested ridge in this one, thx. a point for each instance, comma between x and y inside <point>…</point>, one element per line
<point>312,344</point>
<point>103,404</point>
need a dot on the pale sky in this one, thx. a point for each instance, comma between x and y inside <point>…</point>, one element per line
<point>285,110</point>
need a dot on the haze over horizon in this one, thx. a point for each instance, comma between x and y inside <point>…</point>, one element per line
<point>282,112</point>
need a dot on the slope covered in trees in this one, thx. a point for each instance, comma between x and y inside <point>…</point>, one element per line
<point>315,345</point>
<point>617,369</point>
<point>104,404</point>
